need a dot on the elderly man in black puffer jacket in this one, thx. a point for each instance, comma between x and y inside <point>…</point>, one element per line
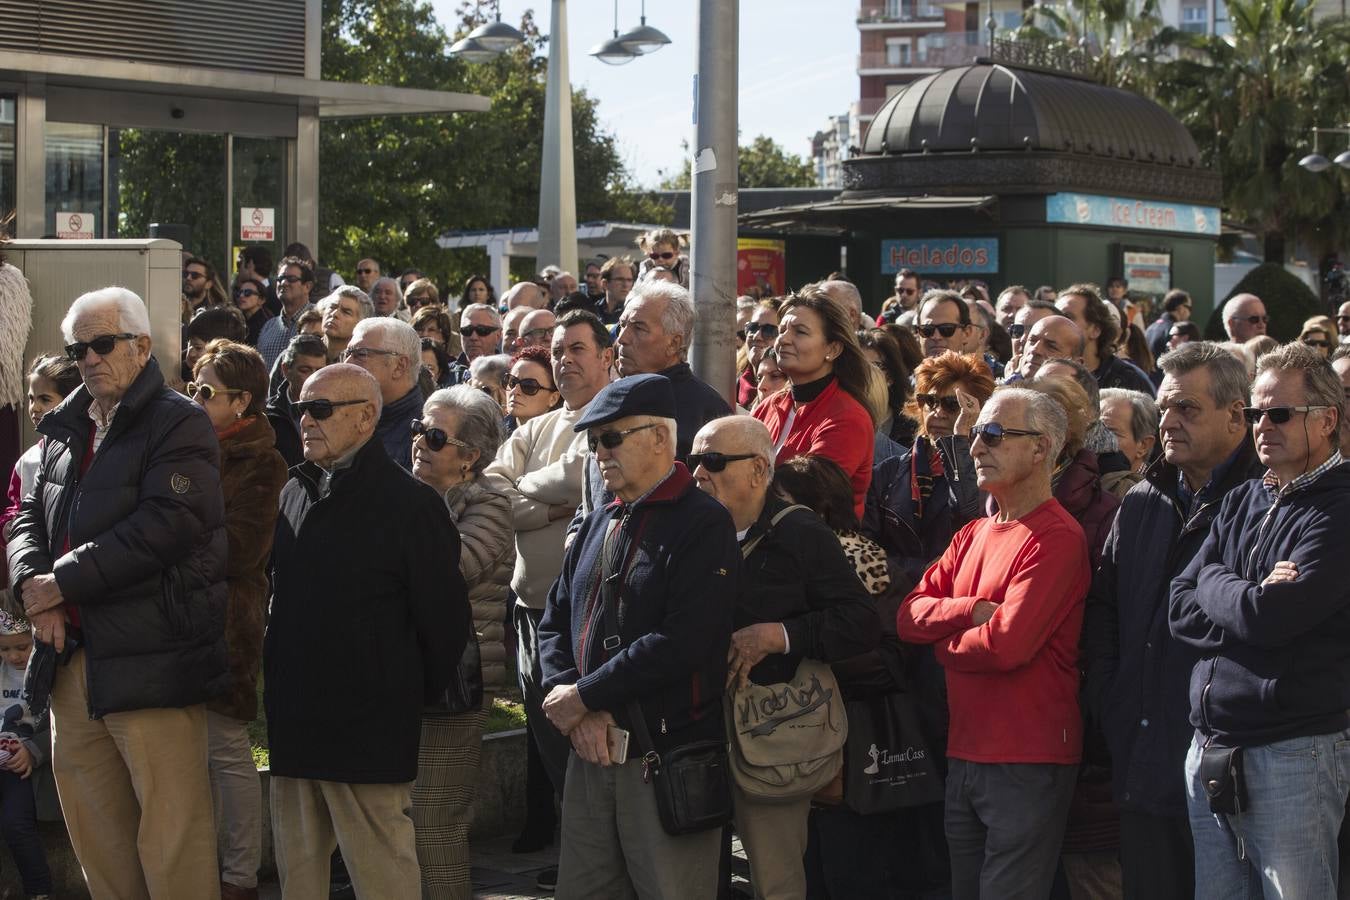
<point>118,556</point>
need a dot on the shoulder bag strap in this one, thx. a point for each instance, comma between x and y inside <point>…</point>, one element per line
<point>749,548</point>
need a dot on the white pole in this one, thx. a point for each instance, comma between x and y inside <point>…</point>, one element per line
<point>557,184</point>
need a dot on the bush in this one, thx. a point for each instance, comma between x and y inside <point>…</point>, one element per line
<point>1289,302</point>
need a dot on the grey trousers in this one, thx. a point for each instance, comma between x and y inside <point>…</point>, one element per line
<point>1004,824</point>
<point>613,845</point>
<point>236,796</point>
<point>554,748</point>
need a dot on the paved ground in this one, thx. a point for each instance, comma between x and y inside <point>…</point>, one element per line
<point>499,874</point>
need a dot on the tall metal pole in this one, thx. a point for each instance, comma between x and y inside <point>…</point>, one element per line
<point>557,182</point>
<point>712,255</point>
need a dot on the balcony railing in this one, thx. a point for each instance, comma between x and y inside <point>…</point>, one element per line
<point>901,12</point>
<point>957,49</point>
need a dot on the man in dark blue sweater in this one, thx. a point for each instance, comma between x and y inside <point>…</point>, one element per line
<point>665,554</point>
<point>1266,603</point>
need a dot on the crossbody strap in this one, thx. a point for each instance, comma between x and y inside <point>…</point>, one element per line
<point>749,548</point>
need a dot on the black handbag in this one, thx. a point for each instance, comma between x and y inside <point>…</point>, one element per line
<point>464,693</point>
<point>692,781</point>
<point>888,764</point>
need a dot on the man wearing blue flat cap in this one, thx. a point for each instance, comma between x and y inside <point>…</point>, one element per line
<point>638,622</point>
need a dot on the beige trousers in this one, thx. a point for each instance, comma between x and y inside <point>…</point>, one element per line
<point>370,822</point>
<point>774,837</point>
<point>135,795</point>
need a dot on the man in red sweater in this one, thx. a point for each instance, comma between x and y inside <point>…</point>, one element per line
<point>1003,608</point>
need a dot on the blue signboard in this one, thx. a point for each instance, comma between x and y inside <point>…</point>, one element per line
<point>940,256</point>
<point>1138,215</point>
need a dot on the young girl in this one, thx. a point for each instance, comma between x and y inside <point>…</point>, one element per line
<point>19,757</point>
<point>50,380</point>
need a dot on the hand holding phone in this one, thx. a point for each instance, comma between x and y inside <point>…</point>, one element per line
<point>617,740</point>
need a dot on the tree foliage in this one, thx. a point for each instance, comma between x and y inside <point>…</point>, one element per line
<point>390,186</point>
<point>1288,301</point>
<point>763,164</point>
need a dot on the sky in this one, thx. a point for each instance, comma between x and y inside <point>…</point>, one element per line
<point>798,66</point>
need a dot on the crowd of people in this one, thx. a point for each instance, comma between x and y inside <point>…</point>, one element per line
<point>1021,596</point>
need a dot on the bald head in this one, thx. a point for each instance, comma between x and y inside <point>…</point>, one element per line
<point>1051,337</point>
<point>536,329</point>
<point>1244,317</point>
<point>511,327</point>
<point>740,485</point>
<point>332,432</point>
<point>846,295</point>
<point>527,293</point>
<point>738,434</point>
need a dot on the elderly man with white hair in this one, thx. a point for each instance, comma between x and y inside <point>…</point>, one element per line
<point>845,293</point>
<point>654,333</point>
<point>118,556</point>
<point>355,651</point>
<point>480,326</point>
<point>392,352</point>
<point>525,293</point>
<point>1003,609</point>
<point>1244,317</point>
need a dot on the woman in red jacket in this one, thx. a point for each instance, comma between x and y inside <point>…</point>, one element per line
<point>834,397</point>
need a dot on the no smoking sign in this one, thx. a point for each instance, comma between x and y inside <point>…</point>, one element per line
<point>257,223</point>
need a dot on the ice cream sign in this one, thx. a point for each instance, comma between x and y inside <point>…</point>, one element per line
<point>1137,215</point>
<point>940,256</point>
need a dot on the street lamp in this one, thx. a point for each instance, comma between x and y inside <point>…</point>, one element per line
<point>471,50</point>
<point>497,36</point>
<point>644,38</point>
<point>614,52</point>
<point>1316,163</point>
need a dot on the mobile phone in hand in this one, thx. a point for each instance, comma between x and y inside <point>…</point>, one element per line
<point>617,739</point>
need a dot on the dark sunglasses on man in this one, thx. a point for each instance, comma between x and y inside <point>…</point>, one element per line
<point>933,401</point>
<point>611,440</point>
<point>1278,415</point>
<point>1251,320</point>
<point>436,438</point>
<point>766,330</point>
<point>102,345</point>
<point>946,329</point>
<point>528,386</point>
<point>480,330</point>
<point>715,462</point>
<point>321,408</point>
<point>993,433</point>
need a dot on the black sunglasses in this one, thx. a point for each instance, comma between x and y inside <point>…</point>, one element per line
<point>245,292</point>
<point>1017,330</point>
<point>1250,320</point>
<point>946,329</point>
<point>322,408</point>
<point>102,345</point>
<point>366,271</point>
<point>436,438</point>
<point>480,330</point>
<point>289,279</point>
<point>1316,342</point>
<point>932,401</point>
<point>761,329</point>
<point>715,462</point>
<point>1278,414</point>
<point>612,439</point>
<point>994,433</point>
<point>528,386</point>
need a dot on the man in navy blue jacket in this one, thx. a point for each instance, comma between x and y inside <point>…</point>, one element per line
<point>1267,604</point>
<point>1137,676</point>
<point>669,553</point>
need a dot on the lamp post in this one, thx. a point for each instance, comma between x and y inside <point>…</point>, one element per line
<point>1316,163</point>
<point>557,184</point>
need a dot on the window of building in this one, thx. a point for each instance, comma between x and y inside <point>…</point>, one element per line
<point>74,179</point>
<point>898,51</point>
<point>1195,19</point>
<point>8,161</point>
<point>1222,23</point>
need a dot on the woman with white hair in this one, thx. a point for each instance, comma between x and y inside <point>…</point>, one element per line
<point>454,440</point>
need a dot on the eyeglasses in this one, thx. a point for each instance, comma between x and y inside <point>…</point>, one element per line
<point>480,330</point>
<point>418,300</point>
<point>192,276</point>
<point>365,353</point>
<point>322,408</point>
<point>1250,320</point>
<point>946,329</point>
<point>993,433</point>
<point>765,330</point>
<point>1278,415</point>
<point>665,256</point>
<point>906,292</point>
<point>206,391</point>
<point>715,462</point>
<point>1316,342</point>
<point>102,345</point>
<point>289,279</point>
<point>536,334</point>
<point>529,386</point>
<point>932,401</point>
<point>612,439</point>
<point>245,292</point>
<point>366,271</point>
<point>436,438</point>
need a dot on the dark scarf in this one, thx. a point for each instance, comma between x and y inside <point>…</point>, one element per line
<point>805,393</point>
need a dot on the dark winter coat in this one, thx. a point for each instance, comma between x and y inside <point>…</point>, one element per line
<point>137,543</point>
<point>369,618</point>
<point>1275,659</point>
<point>696,404</point>
<point>912,535</point>
<point>285,426</point>
<point>252,474</point>
<point>680,564</point>
<point>393,429</point>
<point>1079,490</point>
<point>1115,372</point>
<point>1135,673</point>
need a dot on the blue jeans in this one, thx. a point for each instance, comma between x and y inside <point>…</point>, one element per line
<point>18,825</point>
<point>1285,845</point>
